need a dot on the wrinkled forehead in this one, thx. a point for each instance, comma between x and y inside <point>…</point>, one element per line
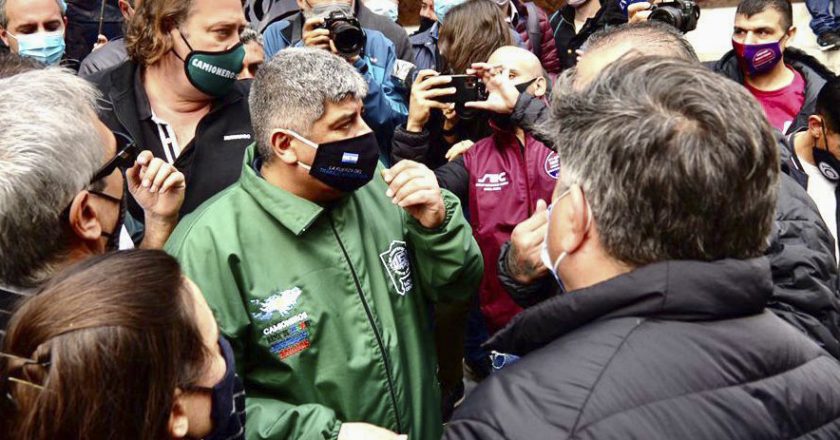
<point>32,12</point>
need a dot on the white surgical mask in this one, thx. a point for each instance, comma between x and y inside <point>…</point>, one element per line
<point>544,256</point>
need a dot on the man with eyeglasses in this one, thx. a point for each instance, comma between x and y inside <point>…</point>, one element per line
<point>63,188</point>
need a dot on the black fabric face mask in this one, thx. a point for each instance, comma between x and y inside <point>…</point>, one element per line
<point>113,242</point>
<point>345,165</point>
<point>828,165</point>
<point>228,397</point>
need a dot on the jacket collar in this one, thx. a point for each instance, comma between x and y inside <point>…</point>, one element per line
<point>670,290</point>
<point>294,213</point>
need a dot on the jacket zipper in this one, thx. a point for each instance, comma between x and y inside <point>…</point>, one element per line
<point>524,164</point>
<point>372,325</point>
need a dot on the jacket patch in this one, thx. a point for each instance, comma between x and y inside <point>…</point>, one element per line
<point>493,182</point>
<point>552,165</point>
<point>281,303</point>
<point>398,266</point>
<point>290,335</point>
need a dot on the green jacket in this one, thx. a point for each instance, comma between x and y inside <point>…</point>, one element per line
<point>326,308</point>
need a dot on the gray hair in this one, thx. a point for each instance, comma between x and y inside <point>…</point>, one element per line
<point>647,38</point>
<point>675,163</point>
<point>4,18</point>
<point>291,92</point>
<point>248,35</point>
<point>49,149</point>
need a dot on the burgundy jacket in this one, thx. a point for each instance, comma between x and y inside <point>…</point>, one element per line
<point>506,180</point>
<point>548,53</point>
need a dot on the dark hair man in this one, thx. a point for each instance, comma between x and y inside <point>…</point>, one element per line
<point>657,230</point>
<point>818,154</point>
<point>783,79</point>
<point>319,264</point>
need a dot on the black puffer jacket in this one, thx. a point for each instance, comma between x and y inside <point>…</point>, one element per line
<point>801,253</point>
<point>673,350</point>
<point>813,72</point>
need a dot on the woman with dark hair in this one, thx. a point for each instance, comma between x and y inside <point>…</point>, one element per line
<point>119,346</point>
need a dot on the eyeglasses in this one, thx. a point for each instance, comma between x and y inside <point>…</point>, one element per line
<point>127,152</point>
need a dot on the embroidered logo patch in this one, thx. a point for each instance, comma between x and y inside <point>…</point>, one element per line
<point>281,303</point>
<point>492,182</point>
<point>398,266</point>
<point>350,158</point>
<point>552,165</point>
<point>290,335</point>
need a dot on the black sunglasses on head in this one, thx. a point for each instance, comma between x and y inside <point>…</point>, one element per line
<point>127,152</point>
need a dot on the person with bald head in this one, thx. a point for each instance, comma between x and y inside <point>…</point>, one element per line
<point>503,178</point>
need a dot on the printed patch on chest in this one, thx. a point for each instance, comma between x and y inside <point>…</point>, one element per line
<point>493,182</point>
<point>552,165</point>
<point>398,266</point>
<point>289,330</point>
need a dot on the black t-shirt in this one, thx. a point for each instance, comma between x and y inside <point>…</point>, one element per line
<point>211,162</point>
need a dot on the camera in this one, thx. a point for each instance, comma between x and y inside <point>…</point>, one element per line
<point>346,33</point>
<point>681,14</point>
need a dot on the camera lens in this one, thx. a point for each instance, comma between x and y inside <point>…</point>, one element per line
<point>348,39</point>
<point>667,15</point>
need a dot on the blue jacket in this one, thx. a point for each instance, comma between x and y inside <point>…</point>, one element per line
<point>385,105</point>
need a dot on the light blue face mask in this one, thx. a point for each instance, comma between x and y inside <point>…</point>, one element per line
<point>443,6</point>
<point>544,256</point>
<point>46,47</point>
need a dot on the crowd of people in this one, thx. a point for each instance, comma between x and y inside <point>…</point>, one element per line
<point>225,220</point>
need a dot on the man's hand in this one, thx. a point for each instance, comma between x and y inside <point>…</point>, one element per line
<point>459,149</point>
<point>638,12</point>
<point>101,40</point>
<point>423,94</point>
<point>523,259</point>
<point>366,431</point>
<point>157,187</point>
<point>501,91</point>
<point>314,35</point>
<point>414,187</point>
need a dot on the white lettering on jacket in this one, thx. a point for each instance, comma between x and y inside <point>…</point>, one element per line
<point>283,325</point>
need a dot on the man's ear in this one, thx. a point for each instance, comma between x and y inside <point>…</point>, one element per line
<point>791,33</point>
<point>126,10</point>
<point>576,217</point>
<point>179,423</point>
<point>83,220</point>
<point>281,144</point>
<point>4,36</point>
<point>540,87</point>
<point>815,126</point>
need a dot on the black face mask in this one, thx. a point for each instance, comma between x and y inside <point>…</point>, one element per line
<point>828,165</point>
<point>426,23</point>
<point>345,165</point>
<point>228,396</point>
<point>113,242</point>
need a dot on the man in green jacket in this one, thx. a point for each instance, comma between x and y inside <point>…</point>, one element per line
<point>319,264</point>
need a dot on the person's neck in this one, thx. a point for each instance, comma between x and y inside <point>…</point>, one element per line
<point>587,10</point>
<point>520,134</point>
<point>282,176</point>
<point>587,268</point>
<point>803,144</point>
<point>177,95</point>
<point>778,78</point>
